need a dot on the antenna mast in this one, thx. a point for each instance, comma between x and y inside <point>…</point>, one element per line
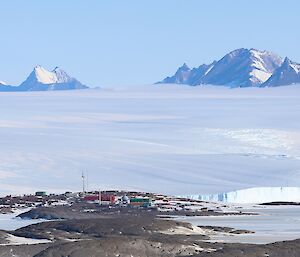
<point>83,182</point>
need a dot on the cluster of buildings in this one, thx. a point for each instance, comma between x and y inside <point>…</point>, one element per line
<point>159,202</point>
<point>119,198</point>
<point>116,199</point>
<point>9,203</point>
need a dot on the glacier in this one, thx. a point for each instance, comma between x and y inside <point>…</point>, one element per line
<point>169,139</point>
<point>254,195</point>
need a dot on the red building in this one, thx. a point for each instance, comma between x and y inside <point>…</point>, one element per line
<point>105,198</point>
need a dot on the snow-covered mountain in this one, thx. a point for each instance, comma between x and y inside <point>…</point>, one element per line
<point>181,76</point>
<point>186,75</point>
<point>4,87</point>
<point>41,79</point>
<point>288,73</point>
<point>243,68</point>
<point>240,68</point>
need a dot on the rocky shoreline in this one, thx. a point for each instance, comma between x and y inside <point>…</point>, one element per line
<point>77,231</point>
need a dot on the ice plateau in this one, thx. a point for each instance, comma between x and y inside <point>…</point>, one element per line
<point>174,140</point>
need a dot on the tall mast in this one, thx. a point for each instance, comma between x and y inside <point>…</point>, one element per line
<point>83,182</point>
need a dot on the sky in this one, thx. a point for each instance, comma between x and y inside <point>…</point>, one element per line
<point>138,42</point>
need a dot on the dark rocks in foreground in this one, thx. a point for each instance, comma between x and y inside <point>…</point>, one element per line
<point>84,232</point>
<point>227,230</point>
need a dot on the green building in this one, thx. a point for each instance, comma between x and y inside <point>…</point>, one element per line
<point>40,193</point>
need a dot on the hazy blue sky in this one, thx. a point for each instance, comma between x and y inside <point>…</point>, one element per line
<point>138,42</point>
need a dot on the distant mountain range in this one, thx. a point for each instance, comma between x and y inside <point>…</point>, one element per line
<point>41,79</point>
<point>240,68</point>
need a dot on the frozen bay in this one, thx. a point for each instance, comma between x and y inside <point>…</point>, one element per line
<point>273,224</point>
